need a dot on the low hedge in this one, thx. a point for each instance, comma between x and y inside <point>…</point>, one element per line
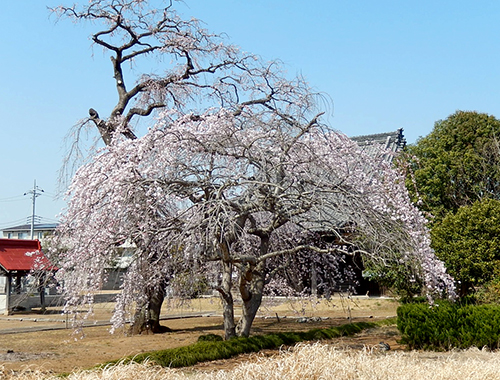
<point>206,350</point>
<point>446,326</point>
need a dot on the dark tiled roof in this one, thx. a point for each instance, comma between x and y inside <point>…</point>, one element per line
<point>379,142</point>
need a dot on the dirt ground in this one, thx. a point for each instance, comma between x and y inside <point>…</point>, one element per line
<point>48,342</point>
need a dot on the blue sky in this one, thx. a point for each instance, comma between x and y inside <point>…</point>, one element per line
<point>384,64</point>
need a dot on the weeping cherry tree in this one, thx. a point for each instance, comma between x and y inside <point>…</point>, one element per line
<point>235,171</point>
<point>232,190</point>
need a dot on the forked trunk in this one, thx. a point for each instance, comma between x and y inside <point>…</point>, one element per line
<point>249,310</point>
<point>251,289</point>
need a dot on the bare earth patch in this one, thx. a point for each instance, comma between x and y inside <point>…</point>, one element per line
<point>50,347</point>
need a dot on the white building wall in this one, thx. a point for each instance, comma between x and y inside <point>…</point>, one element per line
<point>3,303</point>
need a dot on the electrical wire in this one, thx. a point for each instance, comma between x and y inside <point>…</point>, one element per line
<point>14,199</point>
<point>13,223</point>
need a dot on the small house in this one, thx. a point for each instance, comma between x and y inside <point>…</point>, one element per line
<point>19,258</point>
<point>23,231</point>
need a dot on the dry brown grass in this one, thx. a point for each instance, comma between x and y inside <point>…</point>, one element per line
<point>315,361</point>
<point>61,350</point>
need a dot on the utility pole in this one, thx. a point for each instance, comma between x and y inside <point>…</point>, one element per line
<point>35,192</point>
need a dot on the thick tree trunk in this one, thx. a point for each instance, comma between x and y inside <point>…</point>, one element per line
<point>147,318</point>
<point>249,311</point>
<point>155,302</point>
<point>251,289</point>
<point>227,301</point>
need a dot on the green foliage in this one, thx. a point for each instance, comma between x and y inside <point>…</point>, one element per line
<point>455,165</point>
<point>454,175</point>
<point>445,326</point>
<point>189,285</point>
<point>210,338</point>
<point>400,279</point>
<point>469,243</point>
<point>490,292</point>
<point>206,349</point>
<point>417,299</point>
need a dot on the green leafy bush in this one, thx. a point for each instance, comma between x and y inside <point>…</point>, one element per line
<point>490,292</point>
<point>469,244</point>
<point>206,350</point>
<point>445,326</point>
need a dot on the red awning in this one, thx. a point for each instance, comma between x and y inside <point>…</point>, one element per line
<point>22,255</point>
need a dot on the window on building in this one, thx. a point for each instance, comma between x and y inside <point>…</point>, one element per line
<point>22,235</point>
<point>9,235</point>
<point>3,284</point>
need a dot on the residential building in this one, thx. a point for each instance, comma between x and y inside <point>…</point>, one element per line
<point>23,231</point>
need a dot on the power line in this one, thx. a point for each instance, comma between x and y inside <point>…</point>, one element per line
<point>33,218</point>
<point>27,220</point>
<point>13,199</point>
<point>18,198</point>
<point>48,220</point>
<point>50,195</point>
<point>13,223</point>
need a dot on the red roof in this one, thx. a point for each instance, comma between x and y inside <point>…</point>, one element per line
<point>15,255</point>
